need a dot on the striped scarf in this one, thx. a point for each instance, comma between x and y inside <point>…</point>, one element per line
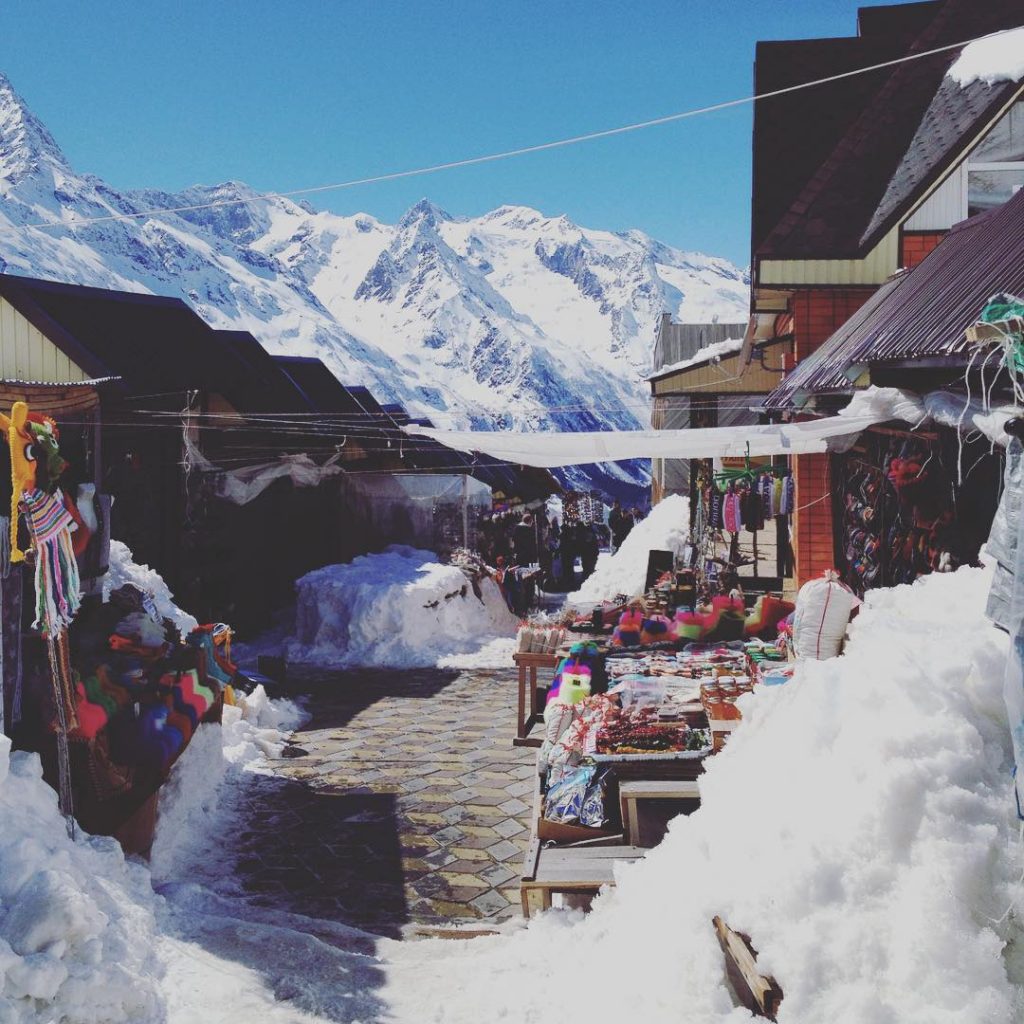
<point>58,588</point>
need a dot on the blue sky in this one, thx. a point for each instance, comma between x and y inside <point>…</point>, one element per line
<point>288,94</point>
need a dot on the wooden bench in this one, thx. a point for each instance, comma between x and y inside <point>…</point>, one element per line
<point>569,869</point>
<point>673,796</point>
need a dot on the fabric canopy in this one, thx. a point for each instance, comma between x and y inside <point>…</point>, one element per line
<point>874,405</point>
<point>553,449</point>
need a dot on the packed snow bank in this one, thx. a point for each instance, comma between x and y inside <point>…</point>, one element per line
<point>997,58</point>
<point>859,827</point>
<point>400,608</point>
<point>124,569</point>
<point>77,930</point>
<point>194,811</point>
<point>665,529</point>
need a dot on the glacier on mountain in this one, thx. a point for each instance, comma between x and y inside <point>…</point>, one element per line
<point>512,319</point>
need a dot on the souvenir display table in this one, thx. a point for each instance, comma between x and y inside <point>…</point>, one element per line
<point>627,732</point>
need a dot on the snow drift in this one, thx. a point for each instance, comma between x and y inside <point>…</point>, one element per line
<point>859,827</point>
<point>625,572</point>
<point>77,929</point>
<point>400,608</point>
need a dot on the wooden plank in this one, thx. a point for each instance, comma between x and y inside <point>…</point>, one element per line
<point>581,854</point>
<point>760,993</point>
<point>660,789</point>
<point>530,861</point>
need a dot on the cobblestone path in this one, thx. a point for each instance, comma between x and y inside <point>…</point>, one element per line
<point>409,805</point>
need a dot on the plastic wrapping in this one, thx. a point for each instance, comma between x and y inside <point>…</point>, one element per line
<point>1002,540</point>
<point>1006,603</point>
<point>575,796</point>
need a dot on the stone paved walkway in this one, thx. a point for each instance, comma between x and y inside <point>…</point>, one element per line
<point>409,805</point>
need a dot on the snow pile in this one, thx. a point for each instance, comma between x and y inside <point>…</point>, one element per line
<point>123,569</point>
<point>77,930</point>
<point>859,827</point>
<point>625,572</point>
<point>996,58</point>
<point>716,351</point>
<point>400,608</point>
<point>193,808</point>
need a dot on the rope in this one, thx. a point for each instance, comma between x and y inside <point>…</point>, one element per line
<point>502,155</point>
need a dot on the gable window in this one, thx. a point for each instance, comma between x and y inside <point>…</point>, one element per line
<point>995,167</point>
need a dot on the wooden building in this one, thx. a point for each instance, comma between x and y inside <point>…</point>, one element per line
<point>222,461</point>
<point>862,177</point>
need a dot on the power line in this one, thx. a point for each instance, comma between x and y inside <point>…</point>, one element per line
<point>504,154</point>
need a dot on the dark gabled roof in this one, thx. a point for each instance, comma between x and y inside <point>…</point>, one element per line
<point>921,313</point>
<point>268,387</point>
<point>880,164</point>
<point>322,391</point>
<point>157,345</point>
<point>795,133</point>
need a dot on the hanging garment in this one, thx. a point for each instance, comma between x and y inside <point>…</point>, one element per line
<point>716,501</point>
<point>788,503</point>
<point>58,592</point>
<point>752,510</point>
<point>777,496</point>
<point>731,520</point>
<point>765,489</point>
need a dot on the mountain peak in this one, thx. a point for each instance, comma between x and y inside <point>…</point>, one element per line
<point>25,142</point>
<point>424,212</point>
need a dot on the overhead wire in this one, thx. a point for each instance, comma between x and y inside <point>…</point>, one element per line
<point>507,154</point>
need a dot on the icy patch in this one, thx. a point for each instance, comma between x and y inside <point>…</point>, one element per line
<point>124,569</point>
<point>665,529</point>
<point>399,609</point>
<point>997,58</point>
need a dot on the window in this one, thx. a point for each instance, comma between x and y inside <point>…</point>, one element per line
<point>995,167</point>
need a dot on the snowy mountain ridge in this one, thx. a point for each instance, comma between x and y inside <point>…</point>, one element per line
<point>510,319</point>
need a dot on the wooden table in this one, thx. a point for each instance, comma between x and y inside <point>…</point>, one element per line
<point>531,705</point>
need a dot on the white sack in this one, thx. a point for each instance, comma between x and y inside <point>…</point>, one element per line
<point>823,609</point>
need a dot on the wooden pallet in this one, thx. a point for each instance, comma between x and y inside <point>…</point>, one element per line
<point>569,869</point>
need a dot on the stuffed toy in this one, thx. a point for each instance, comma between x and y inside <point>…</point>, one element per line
<point>764,617</point>
<point>689,625</point>
<point>656,629</point>
<point>627,633</point>
<point>23,466</point>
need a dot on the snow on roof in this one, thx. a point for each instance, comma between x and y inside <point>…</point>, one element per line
<point>996,58</point>
<point>716,350</point>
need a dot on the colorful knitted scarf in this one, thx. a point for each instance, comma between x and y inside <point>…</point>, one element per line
<point>58,590</point>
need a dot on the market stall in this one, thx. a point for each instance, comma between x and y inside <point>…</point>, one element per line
<point>102,685</point>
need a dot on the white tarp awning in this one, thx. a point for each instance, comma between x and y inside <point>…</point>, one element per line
<point>565,448</point>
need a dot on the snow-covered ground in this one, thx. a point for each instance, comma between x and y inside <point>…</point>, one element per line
<point>399,609</point>
<point>625,572</point>
<point>859,826</point>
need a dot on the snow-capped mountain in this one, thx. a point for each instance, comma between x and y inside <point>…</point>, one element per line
<point>508,319</point>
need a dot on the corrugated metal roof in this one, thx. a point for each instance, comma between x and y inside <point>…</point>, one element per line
<point>923,312</point>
